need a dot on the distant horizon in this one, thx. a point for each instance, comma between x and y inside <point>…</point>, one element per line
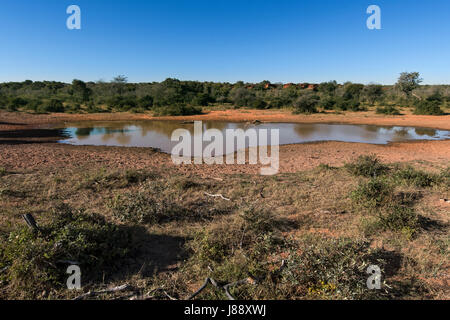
<point>424,83</point>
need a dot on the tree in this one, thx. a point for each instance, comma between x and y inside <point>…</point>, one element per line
<point>119,83</point>
<point>374,92</point>
<point>242,97</point>
<point>306,103</point>
<point>408,81</point>
<point>328,88</point>
<point>80,90</point>
<point>353,91</point>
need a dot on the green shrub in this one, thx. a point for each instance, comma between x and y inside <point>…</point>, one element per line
<point>389,110</point>
<point>33,259</point>
<point>177,110</point>
<point>411,176</point>
<point>375,193</point>
<point>54,105</point>
<point>306,103</point>
<point>143,207</point>
<point>242,97</point>
<point>425,107</point>
<point>328,103</point>
<point>16,103</point>
<point>259,104</point>
<point>399,218</point>
<point>146,102</point>
<point>348,104</point>
<point>367,166</point>
<point>330,269</point>
<point>2,171</point>
<point>445,176</point>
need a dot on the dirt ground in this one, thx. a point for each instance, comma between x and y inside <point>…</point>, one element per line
<point>25,142</point>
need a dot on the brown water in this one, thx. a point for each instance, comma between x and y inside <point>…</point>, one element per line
<point>157,134</point>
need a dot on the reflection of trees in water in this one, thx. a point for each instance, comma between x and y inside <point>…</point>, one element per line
<point>307,130</point>
<point>83,133</point>
<point>425,132</point>
<point>403,132</point>
<point>163,127</point>
<point>123,139</point>
<point>166,128</point>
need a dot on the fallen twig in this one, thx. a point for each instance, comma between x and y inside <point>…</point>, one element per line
<point>217,195</point>
<point>31,222</point>
<point>214,283</point>
<point>96,293</point>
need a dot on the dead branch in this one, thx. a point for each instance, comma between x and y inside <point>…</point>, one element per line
<point>96,293</point>
<point>31,222</point>
<point>233,284</point>
<point>224,287</point>
<point>217,195</point>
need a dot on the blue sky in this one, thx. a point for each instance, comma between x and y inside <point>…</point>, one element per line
<point>225,40</point>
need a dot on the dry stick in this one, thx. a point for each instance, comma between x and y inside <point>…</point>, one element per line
<point>225,287</point>
<point>161,290</point>
<point>214,283</point>
<point>217,195</point>
<point>95,293</point>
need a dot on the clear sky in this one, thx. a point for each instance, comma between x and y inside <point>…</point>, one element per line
<point>225,40</point>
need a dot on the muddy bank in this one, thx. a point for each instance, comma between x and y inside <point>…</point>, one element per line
<point>293,158</point>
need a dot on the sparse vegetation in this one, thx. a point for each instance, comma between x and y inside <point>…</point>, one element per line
<point>310,241</point>
<point>389,110</point>
<point>367,166</point>
<point>34,261</point>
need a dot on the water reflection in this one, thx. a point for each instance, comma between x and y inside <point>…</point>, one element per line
<point>157,134</point>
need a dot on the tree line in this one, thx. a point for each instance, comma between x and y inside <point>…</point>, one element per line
<point>176,97</point>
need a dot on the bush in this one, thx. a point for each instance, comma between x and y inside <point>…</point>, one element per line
<point>2,171</point>
<point>389,110</point>
<point>259,104</point>
<point>306,103</point>
<point>146,102</point>
<point>54,105</point>
<point>411,176</point>
<point>373,194</point>
<point>445,176</point>
<point>367,166</point>
<point>34,258</point>
<point>201,99</point>
<point>242,97</point>
<point>16,103</point>
<point>348,104</point>
<point>123,103</point>
<point>142,207</point>
<point>425,107</point>
<point>330,269</point>
<point>399,218</point>
<point>328,103</point>
<point>177,110</point>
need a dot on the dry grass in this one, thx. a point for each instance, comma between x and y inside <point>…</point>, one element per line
<point>310,219</point>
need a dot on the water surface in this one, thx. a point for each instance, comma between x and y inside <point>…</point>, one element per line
<point>157,134</point>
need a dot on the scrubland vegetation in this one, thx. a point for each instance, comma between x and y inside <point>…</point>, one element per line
<point>175,97</point>
<point>304,235</point>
